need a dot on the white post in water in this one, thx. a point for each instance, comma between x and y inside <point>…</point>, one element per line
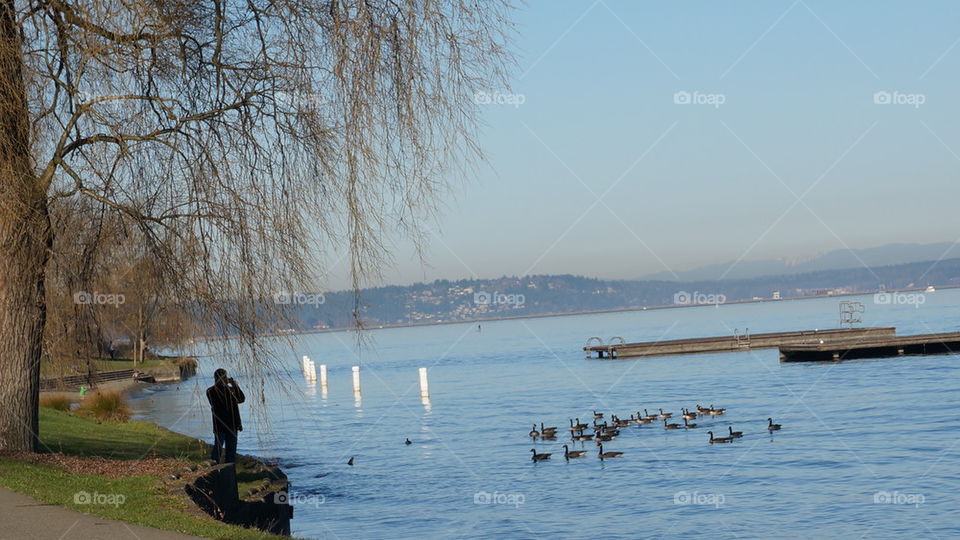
<point>323,374</point>
<point>356,379</point>
<point>306,364</point>
<point>311,370</point>
<point>424,386</point>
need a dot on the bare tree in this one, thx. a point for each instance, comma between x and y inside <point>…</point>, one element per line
<point>239,139</point>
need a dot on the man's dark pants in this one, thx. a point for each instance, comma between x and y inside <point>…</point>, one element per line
<point>224,438</point>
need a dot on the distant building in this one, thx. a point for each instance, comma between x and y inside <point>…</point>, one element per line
<point>776,295</point>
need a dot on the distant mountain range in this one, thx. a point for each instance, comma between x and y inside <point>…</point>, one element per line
<point>482,299</point>
<point>886,255</point>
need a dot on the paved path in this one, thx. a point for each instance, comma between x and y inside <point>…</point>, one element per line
<point>22,517</point>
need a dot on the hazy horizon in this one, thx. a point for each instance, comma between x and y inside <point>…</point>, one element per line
<point>640,138</point>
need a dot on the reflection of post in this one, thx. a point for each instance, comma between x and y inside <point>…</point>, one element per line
<point>323,375</point>
<point>424,385</point>
<point>426,403</point>
<point>356,379</point>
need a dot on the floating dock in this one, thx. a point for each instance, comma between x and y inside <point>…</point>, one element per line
<point>737,342</point>
<point>872,347</point>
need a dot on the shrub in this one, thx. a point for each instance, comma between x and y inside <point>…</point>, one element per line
<point>59,403</point>
<point>105,406</point>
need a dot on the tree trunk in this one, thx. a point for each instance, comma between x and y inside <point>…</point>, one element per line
<point>24,243</point>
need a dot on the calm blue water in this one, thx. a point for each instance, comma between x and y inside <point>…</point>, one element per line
<point>851,430</point>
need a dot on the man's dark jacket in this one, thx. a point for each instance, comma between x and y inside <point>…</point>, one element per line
<point>223,403</point>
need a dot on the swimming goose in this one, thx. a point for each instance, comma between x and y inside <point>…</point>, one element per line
<point>719,439</point>
<point>581,437</point>
<point>649,416</point>
<point>597,415</point>
<point>716,412</point>
<point>643,419</point>
<point>687,415</point>
<point>771,426</point>
<point>407,442</point>
<point>534,433</point>
<point>567,454</point>
<point>688,425</point>
<point>604,455</point>
<point>578,426</point>
<point>539,457</point>
<point>603,437</point>
<point>664,416</point>
<point>547,433</point>
<point>735,434</point>
<point>670,426</point>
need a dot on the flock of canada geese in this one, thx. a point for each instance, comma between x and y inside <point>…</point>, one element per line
<point>604,432</point>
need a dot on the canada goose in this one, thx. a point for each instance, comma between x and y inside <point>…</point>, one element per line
<point>735,434</point>
<point>604,455</point>
<point>670,426</point>
<point>547,429</point>
<point>567,454</point>
<point>581,437</point>
<point>664,416</point>
<point>601,437</point>
<point>578,426</point>
<point>716,412</point>
<point>719,439</point>
<point>643,419</point>
<point>407,441</point>
<point>649,416</point>
<point>597,415</point>
<point>771,426</point>
<point>687,415</point>
<point>539,457</point>
<point>534,433</point>
<point>620,423</point>
<point>688,425</point>
<point>702,410</point>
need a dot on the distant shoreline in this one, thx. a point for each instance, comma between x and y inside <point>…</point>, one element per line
<point>595,312</point>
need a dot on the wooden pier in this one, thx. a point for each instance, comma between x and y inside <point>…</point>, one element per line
<point>872,347</point>
<point>737,342</point>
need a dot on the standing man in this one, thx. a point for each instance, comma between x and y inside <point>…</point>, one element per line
<point>224,396</point>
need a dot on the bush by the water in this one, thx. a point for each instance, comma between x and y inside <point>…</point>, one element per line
<point>59,403</point>
<point>105,406</point>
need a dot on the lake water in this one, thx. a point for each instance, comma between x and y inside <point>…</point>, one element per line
<point>869,448</point>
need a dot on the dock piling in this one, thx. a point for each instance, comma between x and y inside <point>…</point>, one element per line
<point>424,385</point>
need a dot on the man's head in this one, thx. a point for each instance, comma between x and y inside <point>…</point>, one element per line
<point>220,376</point>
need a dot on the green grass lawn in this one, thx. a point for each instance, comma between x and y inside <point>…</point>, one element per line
<point>148,501</point>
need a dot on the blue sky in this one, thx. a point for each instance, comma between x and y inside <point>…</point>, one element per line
<point>600,172</point>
